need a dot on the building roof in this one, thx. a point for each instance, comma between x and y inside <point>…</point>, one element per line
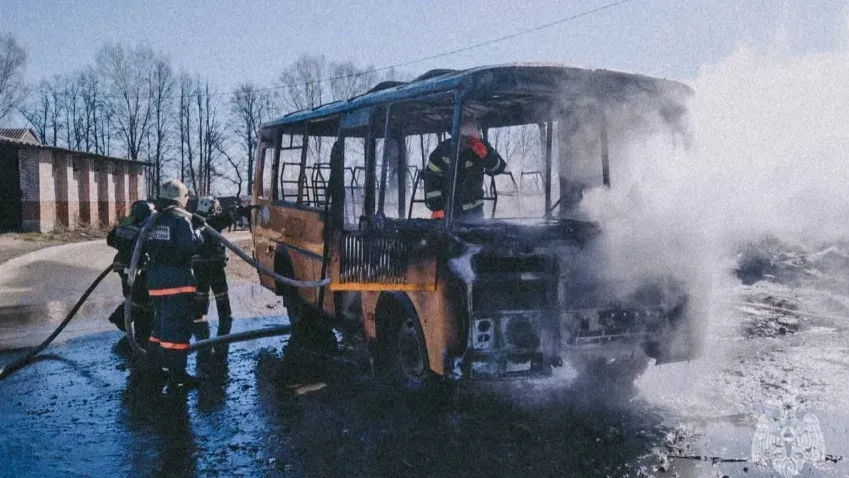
<point>27,144</point>
<point>23,134</point>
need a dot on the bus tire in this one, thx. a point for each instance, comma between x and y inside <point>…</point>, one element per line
<point>308,331</point>
<point>404,359</point>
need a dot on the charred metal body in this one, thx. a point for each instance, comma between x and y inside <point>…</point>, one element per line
<point>510,296</point>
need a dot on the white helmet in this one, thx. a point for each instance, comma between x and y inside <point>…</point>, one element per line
<point>208,205</point>
<point>470,127</point>
<point>175,190</point>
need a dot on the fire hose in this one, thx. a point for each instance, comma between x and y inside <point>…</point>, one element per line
<point>237,337</point>
<point>8,370</point>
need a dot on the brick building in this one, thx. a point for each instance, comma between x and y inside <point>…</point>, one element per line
<point>44,187</point>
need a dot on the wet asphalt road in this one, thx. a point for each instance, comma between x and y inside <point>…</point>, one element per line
<point>81,410</point>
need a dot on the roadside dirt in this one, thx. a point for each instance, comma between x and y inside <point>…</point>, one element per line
<point>14,244</point>
<point>237,269</point>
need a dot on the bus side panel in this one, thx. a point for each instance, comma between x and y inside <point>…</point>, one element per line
<point>300,231</point>
<point>438,323</point>
<point>264,247</point>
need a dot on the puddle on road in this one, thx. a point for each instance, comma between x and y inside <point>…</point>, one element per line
<point>28,325</point>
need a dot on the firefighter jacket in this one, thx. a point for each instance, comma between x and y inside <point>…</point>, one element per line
<point>123,237</point>
<point>476,159</point>
<point>213,252</point>
<point>171,243</point>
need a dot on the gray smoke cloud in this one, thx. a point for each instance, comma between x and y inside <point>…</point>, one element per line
<point>766,155</point>
<point>763,151</point>
<point>774,144</point>
<point>649,235</point>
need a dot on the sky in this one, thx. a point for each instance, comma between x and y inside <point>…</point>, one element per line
<point>769,114</point>
<point>232,42</point>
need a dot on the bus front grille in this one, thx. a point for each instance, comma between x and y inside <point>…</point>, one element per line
<point>367,258</point>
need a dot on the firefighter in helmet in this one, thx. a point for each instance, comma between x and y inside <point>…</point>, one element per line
<point>123,237</point>
<point>208,266</point>
<point>171,243</point>
<point>476,159</point>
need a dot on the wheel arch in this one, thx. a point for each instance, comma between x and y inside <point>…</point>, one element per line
<point>283,265</point>
<point>388,309</point>
<point>390,312</point>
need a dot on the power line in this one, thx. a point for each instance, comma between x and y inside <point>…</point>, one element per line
<point>475,46</point>
<point>455,51</point>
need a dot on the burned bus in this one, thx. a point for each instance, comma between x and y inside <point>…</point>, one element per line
<point>339,195</point>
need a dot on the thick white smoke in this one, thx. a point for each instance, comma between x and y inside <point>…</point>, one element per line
<point>773,144</point>
<point>770,156</point>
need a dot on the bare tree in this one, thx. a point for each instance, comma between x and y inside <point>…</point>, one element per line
<point>249,107</point>
<point>127,74</point>
<point>105,128</point>
<point>91,107</point>
<point>237,168</point>
<point>162,87</point>
<point>70,100</point>
<point>213,140</point>
<point>39,110</point>
<point>504,141</point>
<point>185,117</point>
<point>12,61</point>
<point>303,85</point>
<point>201,135</point>
<point>527,141</point>
<point>348,80</point>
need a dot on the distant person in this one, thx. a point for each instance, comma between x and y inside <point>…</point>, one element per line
<point>233,213</point>
<point>476,159</point>
<point>123,238</point>
<point>245,216</point>
<point>208,266</point>
<point>171,244</point>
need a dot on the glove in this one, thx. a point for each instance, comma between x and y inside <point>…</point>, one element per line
<point>477,146</point>
<point>198,221</point>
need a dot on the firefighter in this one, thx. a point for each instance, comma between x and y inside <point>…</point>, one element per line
<point>123,238</point>
<point>476,159</point>
<point>208,267</point>
<point>171,243</point>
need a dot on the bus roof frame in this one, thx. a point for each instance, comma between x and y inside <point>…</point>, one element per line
<point>486,82</point>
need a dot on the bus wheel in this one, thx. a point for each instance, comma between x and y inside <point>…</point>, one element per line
<point>408,354</point>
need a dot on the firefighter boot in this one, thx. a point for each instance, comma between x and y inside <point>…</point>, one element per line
<point>225,323</point>
<point>178,381</point>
